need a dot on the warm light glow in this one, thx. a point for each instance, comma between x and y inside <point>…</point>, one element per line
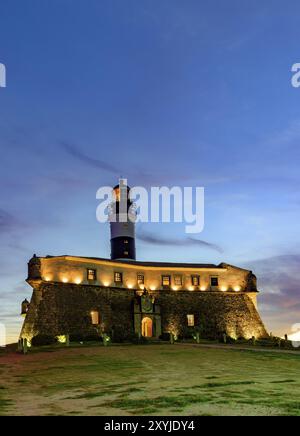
<point>65,280</point>
<point>224,288</point>
<point>95,317</point>
<point>191,320</point>
<point>203,288</point>
<point>78,281</point>
<point>174,288</point>
<point>232,334</point>
<point>129,286</point>
<point>147,327</point>
<point>47,279</point>
<point>152,288</point>
<point>116,192</point>
<point>191,288</point>
<point>142,287</point>
<point>62,339</point>
<point>106,283</point>
<point>237,288</point>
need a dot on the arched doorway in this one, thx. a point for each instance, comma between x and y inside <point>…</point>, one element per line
<point>147,327</point>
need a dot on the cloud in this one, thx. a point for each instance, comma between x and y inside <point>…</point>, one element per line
<point>140,177</point>
<point>279,282</point>
<point>279,277</point>
<point>188,241</point>
<point>72,150</point>
<point>7,221</point>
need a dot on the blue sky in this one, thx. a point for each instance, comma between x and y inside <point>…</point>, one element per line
<point>187,93</point>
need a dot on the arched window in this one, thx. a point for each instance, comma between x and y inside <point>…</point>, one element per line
<point>147,327</point>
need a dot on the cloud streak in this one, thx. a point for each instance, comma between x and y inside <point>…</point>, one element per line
<point>7,222</point>
<point>188,241</point>
<point>73,151</point>
<point>141,177</point>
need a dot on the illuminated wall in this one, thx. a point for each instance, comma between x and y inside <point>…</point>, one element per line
<point>74,270</point>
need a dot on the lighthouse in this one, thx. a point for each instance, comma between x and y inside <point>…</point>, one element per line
<point>122,223</point>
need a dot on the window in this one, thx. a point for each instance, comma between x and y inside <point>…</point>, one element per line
<point>214,281</point>
<point>126,253</point>
<point>95,317</point>
<point>91,274</point>
<point>195,280</point>
<point>178,280</point>
<point>190,320</point>
<point>118,277</point>
<point>166,281</point>
<point>140,279</point>
<point>125,241</point>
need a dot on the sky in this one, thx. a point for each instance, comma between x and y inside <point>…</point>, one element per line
<point>165,93</point>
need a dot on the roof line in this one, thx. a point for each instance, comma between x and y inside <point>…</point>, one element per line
<point>142,263</point>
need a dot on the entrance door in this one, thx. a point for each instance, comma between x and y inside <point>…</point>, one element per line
<point>147,328</point>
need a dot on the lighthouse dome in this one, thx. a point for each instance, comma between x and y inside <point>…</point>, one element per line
<point>117,191</point>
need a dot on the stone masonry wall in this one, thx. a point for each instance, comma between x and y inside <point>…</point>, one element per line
<point>66,309</point>
<point>219,312</point>
<point>58,309</point>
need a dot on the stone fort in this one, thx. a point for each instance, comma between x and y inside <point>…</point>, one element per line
<point>80,296</point>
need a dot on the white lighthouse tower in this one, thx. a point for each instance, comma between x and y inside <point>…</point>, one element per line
<point>122,223</point>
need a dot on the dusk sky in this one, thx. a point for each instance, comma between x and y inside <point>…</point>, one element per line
<point>168,92</point>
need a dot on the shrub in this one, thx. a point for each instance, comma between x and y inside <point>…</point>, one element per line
<point>188,333</point>
<point>92,337</point>
<point>229,339</point>
<point>268,342</point>
<point>165,336</point>
<point>76,337</point>
<point>241,340</point>
<point>39,340</point>
<point>120,335</point>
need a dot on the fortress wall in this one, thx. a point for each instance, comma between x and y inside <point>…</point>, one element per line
<point>66,309</point>
<point>58,309</point>
<point>233,313</point>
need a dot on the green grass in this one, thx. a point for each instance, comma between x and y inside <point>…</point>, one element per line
<point>139,380</point>
<point>4,403</point>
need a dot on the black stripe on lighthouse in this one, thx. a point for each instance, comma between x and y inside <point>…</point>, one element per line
<point>122,248</point>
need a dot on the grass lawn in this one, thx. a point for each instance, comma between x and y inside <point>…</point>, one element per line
<point>149,379</point>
